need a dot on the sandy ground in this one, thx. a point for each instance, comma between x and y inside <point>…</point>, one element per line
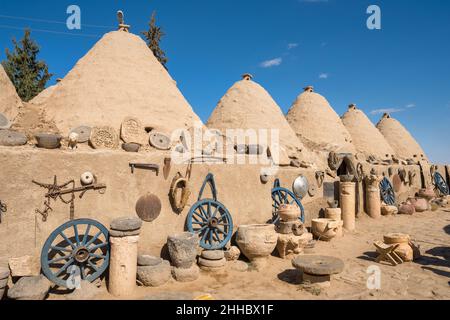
<point>426,278</point>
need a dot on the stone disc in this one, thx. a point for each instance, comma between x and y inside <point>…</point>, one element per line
<point>397,183</point>
<point>4,122</point>
<point>10,138</point>
<point>159,141</point>
<point>319,265</point>
<point>312,190</point>
<point>148,207</point>
<point>104,138</point>
<point>132,130</point>
<point>83,132</point>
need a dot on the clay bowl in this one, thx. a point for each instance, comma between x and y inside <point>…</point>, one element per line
<point>131,147</point>
<point>333,214</point>
<point>257,241</point>
<point>289,212</point>
<point>48,140</point>
<point>325,229</point>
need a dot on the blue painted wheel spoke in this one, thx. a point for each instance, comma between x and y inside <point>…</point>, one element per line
<point>215,212</point>
<point>94,239</point>
<point>59,259</point>
<point>93,266</point>
<point>67,240</point>
<point>217,235</point>
<point>60,249</point>
<point>82,272</point>
<point>86,234</point>
<point>201,229</point>
<point>221,231</point>
<point>98,256</point>
<point>101,245</point>
<point>60,271</point>
<point>201,217</point>
<point>75,230</point>
<point>205,215</point>
<point>210,236</point>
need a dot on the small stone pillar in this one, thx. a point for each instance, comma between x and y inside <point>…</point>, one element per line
<point>373,198</point>
<point>348,205</point>
<point>124,237</point>
<point>335,214</point>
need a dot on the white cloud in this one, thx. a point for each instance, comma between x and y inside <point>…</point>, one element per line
<point>324,76</point>
<point>272,63</point>
<point>292,45</point>
<point>386,110</point>
<point>411,105</point>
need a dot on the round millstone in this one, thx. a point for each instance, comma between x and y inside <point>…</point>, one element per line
<point>318,265</point>
<point>83,132</point>
<point>132,130</point>
<point>123,234</point>
<point>147,261</point>
<point>126,224</point>
<point>212,263</point>
<point>10,138</point>
<point>4,122</point>
<point>159,141</point>
<point>148,207</point>
<point>213,254</point>
<point>104,138</point>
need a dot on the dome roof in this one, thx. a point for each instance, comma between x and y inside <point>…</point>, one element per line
<point>10,103</point>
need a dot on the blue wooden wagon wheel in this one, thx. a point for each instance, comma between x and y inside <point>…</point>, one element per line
<point>76,248</point>
<point>281,196</point>
<point>387,192</point>
<point>210,219</point>
<point>440,184</point>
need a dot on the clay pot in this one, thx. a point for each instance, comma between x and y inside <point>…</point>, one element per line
<point>131,147</point>
<point>325,229</point>
<point>183,249</point>
<point>420,204</point>
<point>48,141</point>
<point>406,208</point>
<point>288,212</point>
<point>257,242</point>
<point>404,250</point>
<point>426,194</point>
<point>333,214</point>
<point>389,210</point>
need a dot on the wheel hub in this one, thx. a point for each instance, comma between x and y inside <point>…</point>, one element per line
<point>213,223</point>
<point>81,254</point>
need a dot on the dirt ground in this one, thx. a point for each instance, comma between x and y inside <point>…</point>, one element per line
<point>426,278</point>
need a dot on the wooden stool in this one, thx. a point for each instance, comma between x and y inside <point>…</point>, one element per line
<point>387,253</point>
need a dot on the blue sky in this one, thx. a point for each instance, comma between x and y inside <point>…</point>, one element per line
<point>285,44</point>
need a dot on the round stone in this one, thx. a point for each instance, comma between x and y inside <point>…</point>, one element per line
<point>212,269</point>
<point>232,254</point>
<point>154,275</point>
<point>212,263</point>
<point>312,191</point>
<point>83,132</point>
<point>146,260</point>
<point>239,266</point>
<point>10,138</point>
<point>148,207</point>
<point>87,178</point>
<point>213,254</point>
<point>186,275</point>
<point>48,140</point>
<point>4,273</point>
<point>104,138</point>
<point>126,224</point>
<point>30,288</point>
<point>4,122</point>
<point>123,234</point>
<point>159,141</point>
<point>318,265</point>
<point>394,238</point>
<point>183,249</point>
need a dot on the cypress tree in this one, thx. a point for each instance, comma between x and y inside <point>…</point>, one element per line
<point>153,37</point>
<point>28,74</point>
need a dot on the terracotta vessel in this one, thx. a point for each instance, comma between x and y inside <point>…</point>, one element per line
<point>420,204</point>
<point>325,229</point>
<point>289,212</point>
<point>406,208</point>
<point>428,194</point>
<point>48,141</point>
<point>404,250</point>
<point>257,242</point>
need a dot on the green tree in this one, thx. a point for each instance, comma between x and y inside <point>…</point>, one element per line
<point>153,37</point>
<point>27,73</point>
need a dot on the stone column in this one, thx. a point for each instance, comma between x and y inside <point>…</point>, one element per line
<point>348,206</point>
<point>124,238</point>
<point>335,214</point>
<point>373,198</point>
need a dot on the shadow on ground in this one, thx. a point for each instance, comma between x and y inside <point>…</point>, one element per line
<point>436,257</point>
<point>291,276</point>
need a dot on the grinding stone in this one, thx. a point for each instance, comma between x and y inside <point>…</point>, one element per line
<point>213,254</point>
<point>146,261</point>
<point>159,141</point>
<point>126,224</point>
<point>123,234</point>
<point>148,207</point>
<point>84,132</point>
<point>318,265</point>
<point>4,122</point>
<point>4,273</point>
<point>104,138</point>
<point>10,138</point>
<point>132,130</point>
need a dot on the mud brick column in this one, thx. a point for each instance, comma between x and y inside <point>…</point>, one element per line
<point>124,238</point>
<point>348,205</point>
<point>373,197</point>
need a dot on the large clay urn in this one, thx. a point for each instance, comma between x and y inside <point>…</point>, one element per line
<point>404,250</point>
<point>325,229</point>
<point>427,194</point>
<point>420,204</point>
<point>289,212</point>
<point>257,242</point>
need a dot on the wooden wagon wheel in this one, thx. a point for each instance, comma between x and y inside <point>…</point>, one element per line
<point>281,196</point>
<point>387,192</point>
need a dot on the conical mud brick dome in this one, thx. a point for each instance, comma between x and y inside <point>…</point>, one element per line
<point>403,143</point>
<point>247,105</point>
<point>118,78</point>
<point>10,103</point>
<point>366,137</point>
<point>317,125</point>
